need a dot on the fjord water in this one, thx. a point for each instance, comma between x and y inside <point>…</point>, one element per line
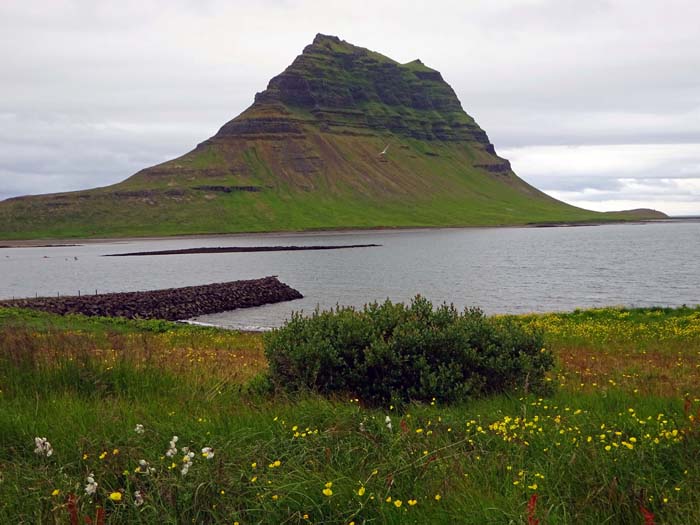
<point>501,270</point>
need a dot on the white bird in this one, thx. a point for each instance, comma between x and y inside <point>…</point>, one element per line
<point>384,151</point>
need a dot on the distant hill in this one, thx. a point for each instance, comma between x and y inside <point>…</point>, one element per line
<point>343,138</point>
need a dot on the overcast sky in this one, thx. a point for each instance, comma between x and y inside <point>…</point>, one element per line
<point>597,103</point>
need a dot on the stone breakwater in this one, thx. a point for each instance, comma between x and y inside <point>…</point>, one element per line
<point>171,304</point>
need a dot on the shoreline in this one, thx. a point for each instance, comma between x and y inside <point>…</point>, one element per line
<point>53,242</point>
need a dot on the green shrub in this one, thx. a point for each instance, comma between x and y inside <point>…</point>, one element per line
<point>392,352</point>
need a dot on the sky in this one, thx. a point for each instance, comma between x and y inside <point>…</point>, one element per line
<point>596,103</point>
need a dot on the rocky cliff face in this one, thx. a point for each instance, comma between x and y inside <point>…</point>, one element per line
<point>341,88</point>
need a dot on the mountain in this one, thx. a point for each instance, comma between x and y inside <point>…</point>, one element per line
<point>343,138</point>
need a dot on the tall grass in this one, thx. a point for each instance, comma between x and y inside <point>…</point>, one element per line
<point>591,454</point>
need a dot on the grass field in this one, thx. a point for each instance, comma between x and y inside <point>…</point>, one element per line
<point>618,441</point>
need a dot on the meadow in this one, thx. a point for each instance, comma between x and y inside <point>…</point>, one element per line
<point>149,421</point>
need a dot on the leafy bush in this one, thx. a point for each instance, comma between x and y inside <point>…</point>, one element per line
<point>392,352</point>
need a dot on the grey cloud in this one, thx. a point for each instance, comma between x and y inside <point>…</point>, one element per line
<point>51,153</point>
<point>576,184</point>
<point>661,176</point>
<point>672,191</point>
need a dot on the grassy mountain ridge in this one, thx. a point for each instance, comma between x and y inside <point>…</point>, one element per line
<point>306,155</point>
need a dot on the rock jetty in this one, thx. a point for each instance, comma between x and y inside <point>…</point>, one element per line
<point>171,304</point>
<point>242,249</point>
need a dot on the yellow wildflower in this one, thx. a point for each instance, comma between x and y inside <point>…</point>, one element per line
<point>115,496</point>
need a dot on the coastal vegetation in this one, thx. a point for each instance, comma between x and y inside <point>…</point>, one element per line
<point>391,353</point>
<point>129,421</point>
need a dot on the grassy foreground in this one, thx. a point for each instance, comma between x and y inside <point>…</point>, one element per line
<point>618,442</point>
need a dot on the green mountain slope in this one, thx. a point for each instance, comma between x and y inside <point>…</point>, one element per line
<point>308,154</point>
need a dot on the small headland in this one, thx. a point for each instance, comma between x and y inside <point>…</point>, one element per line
<point>242,249</point>
<point>170,304</point>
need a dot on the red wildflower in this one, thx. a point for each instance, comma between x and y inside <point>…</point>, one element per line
<point>74,516</point>
<point>531,508</point>
<point>72,510</point>
<point>648,515</point>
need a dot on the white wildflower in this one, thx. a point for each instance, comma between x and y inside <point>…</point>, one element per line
<point>138,498</point>
<point>186,461</point>
<point>172,449</point>
<point>139,428</point>
<point>208,452</point>
<point>388,422</point>
<point>91,486</point>
<point>144,468</point>
<point>43,447</point>
<point>362,427</point>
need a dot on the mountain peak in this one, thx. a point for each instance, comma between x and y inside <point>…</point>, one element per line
<point>338,87</point>
<point>321,38</point>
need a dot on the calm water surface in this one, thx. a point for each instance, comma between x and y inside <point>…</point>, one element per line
<point>501,270</point>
